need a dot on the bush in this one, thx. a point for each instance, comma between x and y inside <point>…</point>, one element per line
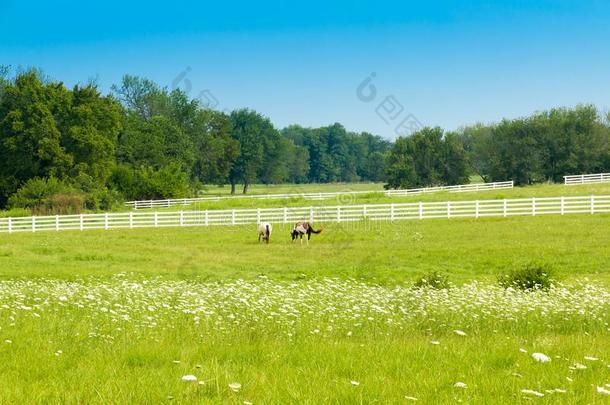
<point>61,203</point>
<point>47,196</point>
<point>532,276</point>
<point>103,200</point>
<point>16,212</point>
<point>168,182</point>
<point>35,192</point>
<point>434,280</point>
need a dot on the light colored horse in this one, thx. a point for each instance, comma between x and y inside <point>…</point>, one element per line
<point>264,231</point>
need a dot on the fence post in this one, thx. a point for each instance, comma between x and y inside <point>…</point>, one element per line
<point>448,209</point>
<point>82,224</point>
<point>130,220</point>
<point>311,214</point>
<point>181,218</point>
<point>421,210</point>
<point>364,214</point>
<point>592,204</point>
<point>285,215</point>
<point>206,218</point>
<point>476,209</point>
<point>338,213</point>
<point>392,212</point>
<point>233,217</point>
<point>106,221</point>
<point>156,219</point>
<point>10,225</point>
<point>562,205</point>
<point>533,206</point>
<point>57,222</point>
<point>33,223</point>
<point>258,215</point>
<point>505,208</point>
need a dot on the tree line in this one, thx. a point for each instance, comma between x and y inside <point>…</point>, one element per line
<point>64,149</point>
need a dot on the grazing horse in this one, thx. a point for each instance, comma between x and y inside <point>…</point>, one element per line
<point>303,228</point>
<point>264,230</point>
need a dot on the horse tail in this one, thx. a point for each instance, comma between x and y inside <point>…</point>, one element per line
<point>314,231</point>
<point>268,231</point>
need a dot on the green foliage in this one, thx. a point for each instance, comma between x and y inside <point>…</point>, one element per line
<point>433,279</point>
<point>120,146</point>
<point>36,192</point>
<point>47,196</point>
<point>168,182</point>
<point>427,158</point>
<point>16,212</point>
<point>532,276</point>
<point>543,147</point>
<point>261,150</point>
<point>334,154</point>
<point>47,130</point>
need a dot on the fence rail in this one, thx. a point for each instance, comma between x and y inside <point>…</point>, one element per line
<point>140,204</point>
<point>373,212</point>
<point>586,178</point>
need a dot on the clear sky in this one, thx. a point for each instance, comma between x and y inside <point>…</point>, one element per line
<point>447,63</point>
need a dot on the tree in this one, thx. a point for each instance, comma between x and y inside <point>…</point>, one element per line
<point>427,158</point>
<point>216,150</point>
<point>259,144</point>
<point>47,130</point>
<point>400,166</point>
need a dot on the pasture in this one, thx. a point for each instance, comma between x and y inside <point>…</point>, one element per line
<point>122,316</point>
<point>540,190</point>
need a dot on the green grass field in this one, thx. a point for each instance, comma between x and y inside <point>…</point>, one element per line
<point>546,190</point>
<point>121,316</point>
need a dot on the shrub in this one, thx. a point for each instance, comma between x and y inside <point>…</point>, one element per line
<point>103,199</point>
<point>61,203</point>
<point>16,212</point>
<point>35,192</point>
<point>168,182</point>
<point>47,196</point>
<point>433,279</point>
<point>532,276</point>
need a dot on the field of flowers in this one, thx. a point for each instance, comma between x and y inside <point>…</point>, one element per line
<point>129,338</point>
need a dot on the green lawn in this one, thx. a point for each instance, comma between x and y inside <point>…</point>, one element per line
<point>543,190</point>
<point>575,246</point>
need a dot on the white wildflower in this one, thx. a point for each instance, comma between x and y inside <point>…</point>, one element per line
<point>189,377</point>
<point>602,390</point>
<point>541,357</point>
<point>460,384</point>
<point>532,392</point>
<point>235,386</point>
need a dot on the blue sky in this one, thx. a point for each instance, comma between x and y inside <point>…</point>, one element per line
<point>447,63</point>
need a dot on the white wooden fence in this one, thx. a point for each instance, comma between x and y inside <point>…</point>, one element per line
<point>322,196</point>
<point>374,212</point>
<point>587,178</point>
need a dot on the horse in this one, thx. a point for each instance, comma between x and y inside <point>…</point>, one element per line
<point>303,228</point>
<point>264,230</point>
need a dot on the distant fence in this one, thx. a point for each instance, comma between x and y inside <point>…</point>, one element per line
<point>374,212</point>
<point>321,196</point>
<point>587,178</point>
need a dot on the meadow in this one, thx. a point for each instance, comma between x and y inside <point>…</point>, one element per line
<point>209,315</point>
<point>540,190</point>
